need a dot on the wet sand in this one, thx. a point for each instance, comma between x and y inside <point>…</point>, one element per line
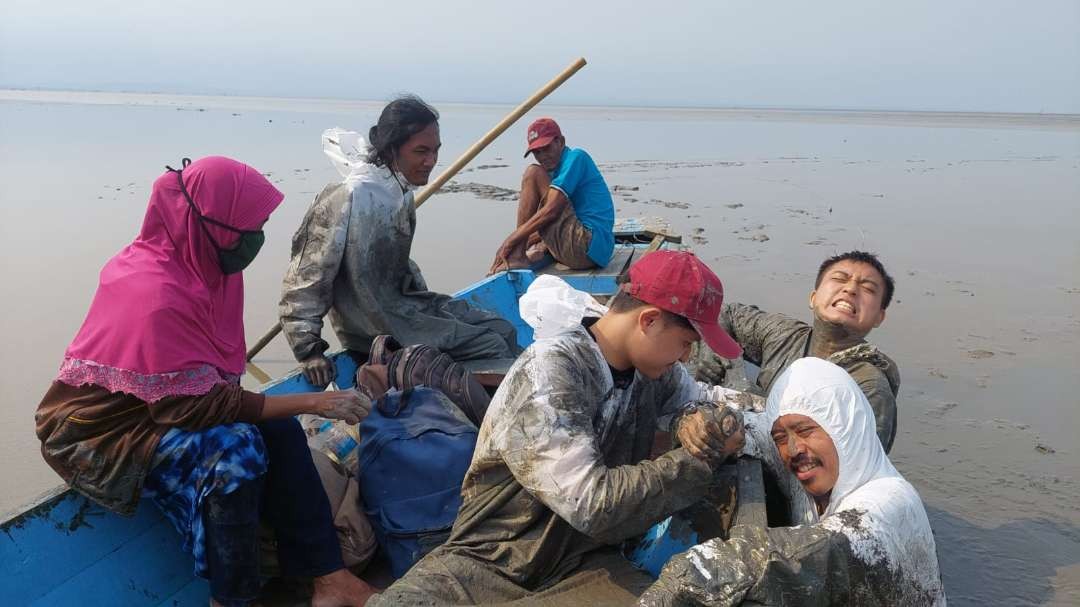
<point>973,215</point>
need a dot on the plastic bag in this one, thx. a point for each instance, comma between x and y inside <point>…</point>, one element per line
<point>347,150</point>
<point>552,307</point>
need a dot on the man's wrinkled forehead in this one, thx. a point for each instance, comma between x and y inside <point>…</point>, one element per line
<point>794,422</point>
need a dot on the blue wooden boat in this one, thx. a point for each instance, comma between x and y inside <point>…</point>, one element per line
<point>65,550</point>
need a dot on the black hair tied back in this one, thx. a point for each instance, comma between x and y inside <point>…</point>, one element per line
<point>400,119</point>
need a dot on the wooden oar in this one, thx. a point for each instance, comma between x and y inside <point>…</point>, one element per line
<point>460,163</point>
<point>504,124</point>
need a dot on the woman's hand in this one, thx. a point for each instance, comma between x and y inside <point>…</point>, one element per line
<point>347,405</point>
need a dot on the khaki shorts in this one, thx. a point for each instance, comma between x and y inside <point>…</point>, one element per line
<point>568,240</point>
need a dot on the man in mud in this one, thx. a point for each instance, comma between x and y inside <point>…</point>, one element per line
<point>850,296</point>
<point>564,208</point>
<point>560,476</point>
<point>861,534</point>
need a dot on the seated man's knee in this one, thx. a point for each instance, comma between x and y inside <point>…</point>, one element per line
<point>535,173</point>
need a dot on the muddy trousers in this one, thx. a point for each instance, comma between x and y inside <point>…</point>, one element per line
<point>291,500</point>
<point>604,578</point>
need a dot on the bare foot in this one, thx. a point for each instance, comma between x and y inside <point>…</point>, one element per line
<point>340,588</point>
<point>514,262</point>
<point>536,252</point>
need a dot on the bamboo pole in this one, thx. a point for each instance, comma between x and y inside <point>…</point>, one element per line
<point>460,163</point>
<point>506,122</point>
<point>261,376</point>
<point>263,341</point>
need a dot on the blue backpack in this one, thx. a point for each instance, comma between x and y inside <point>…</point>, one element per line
<point>415,448</point>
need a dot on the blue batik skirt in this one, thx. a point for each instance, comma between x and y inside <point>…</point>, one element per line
<point>188,466</point>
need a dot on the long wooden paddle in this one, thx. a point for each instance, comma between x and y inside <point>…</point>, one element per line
<point>449,173</point>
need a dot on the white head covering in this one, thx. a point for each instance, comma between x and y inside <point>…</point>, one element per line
<point>826,394</point>
<point>891,527</point>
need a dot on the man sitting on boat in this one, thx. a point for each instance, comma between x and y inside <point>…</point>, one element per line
<point>850,295</point>
<point>564,208</point>
<point>350,256</point>
<point>864,538</point>
<point>561,474</point>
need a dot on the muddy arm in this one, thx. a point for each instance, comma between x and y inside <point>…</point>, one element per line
<point>883,402</point>
<point>681,389</point>
<point>307,291</point>
<point>761,335</point>
<point>807,565</point>
<point>550,447</point>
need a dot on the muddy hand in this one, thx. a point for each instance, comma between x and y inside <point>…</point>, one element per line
<point>348,405</point>
<point>694,435</point>
<point>712,433</point>
<point>318,370</point>
<point>728,422</point>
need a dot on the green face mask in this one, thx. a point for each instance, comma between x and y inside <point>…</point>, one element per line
<point>247,247</point>
<point>239,257</point>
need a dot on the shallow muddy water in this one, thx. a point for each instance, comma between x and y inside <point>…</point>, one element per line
<point>974,215</point>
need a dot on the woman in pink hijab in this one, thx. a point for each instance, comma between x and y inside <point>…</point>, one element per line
<point>148,402</point>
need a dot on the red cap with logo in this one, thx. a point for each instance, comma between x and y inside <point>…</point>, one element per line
<point>679,282</point>
<point>540,133</point>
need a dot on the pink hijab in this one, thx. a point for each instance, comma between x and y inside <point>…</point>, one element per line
<point>165,320</point>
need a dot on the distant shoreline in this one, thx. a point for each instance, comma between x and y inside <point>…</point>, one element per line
<point>779,114</point>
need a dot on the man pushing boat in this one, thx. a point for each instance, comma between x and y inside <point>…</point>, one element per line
<point>851,293</point>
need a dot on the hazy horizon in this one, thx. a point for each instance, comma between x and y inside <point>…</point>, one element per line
<point>124,97</point>
<point>999,56</point>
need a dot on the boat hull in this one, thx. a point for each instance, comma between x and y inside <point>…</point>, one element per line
<point>66,550</point>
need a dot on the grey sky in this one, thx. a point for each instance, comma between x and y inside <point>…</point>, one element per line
<point>963,55</point>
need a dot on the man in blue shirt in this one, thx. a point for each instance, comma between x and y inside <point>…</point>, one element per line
<point>564,208</point>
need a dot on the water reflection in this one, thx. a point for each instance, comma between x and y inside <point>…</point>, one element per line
<point>1012,564</point>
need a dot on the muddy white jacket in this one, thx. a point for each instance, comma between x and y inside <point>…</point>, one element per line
<point>350,258</point>
<point>872,545</point>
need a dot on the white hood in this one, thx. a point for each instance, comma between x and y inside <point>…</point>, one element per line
<point>891,524</point>
<point>826,394</point>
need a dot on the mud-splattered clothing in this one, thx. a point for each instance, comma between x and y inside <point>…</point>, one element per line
<point>774,341</point>
<point>559,472</point>
<point>871,546</point>
<point>350,257</point>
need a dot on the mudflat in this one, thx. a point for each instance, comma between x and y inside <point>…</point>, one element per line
<point>973,214</point>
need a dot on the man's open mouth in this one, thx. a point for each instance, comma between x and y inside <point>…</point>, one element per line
<point>804,469</point>
<point>845,306</point>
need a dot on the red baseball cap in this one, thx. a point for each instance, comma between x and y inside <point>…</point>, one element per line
<point>540,133</point>
<point>679,282</point>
